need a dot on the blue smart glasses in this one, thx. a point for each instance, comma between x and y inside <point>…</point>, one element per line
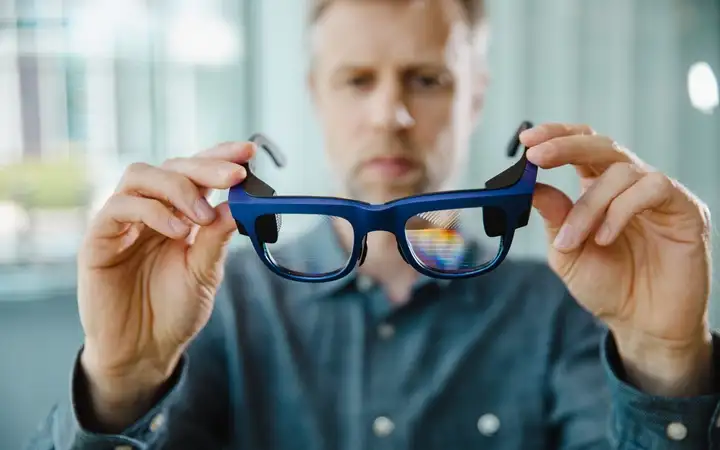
<point>427,227</point>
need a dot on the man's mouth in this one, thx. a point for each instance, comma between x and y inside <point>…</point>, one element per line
<point>391,166</point>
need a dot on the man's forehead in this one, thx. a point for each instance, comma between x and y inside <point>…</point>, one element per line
<point>369,32</point>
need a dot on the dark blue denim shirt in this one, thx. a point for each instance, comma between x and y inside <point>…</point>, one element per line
<point>504,361</point>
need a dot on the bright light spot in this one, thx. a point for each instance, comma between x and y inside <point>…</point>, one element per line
<point>14,219</point>
<point>96,28</point>
<point>202,41</point>
<point>703,87</point>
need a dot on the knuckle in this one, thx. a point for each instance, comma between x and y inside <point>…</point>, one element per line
<point>621,167</point>
<point>660,182</point>
<point>150,210</point>
<point>115,206</point>
<point>583,206</point>
<point>561,129</point>
<point>177,189</point>
<point>136,167</point>
<point>133,171</point>
<point>183,186</point>
<point>623,170</point>
<point>585,129</point>
<point>113,202</point>
<point>171,163</point>
<point>156,210</point>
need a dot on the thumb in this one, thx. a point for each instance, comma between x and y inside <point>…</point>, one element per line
<point>553,206</point>
<point>206,255</point>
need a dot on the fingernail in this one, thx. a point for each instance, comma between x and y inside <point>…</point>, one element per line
<point>178,225</point>
<point>247,151</point>
<point>203,210</point>
<point>565,239</point>
<point>604,234</point>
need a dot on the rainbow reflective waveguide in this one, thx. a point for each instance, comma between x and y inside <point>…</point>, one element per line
<point>437,248</point>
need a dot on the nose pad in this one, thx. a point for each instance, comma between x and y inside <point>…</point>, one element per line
<point>363,252</point>
<point>267,228</point>
<point>494,221</point>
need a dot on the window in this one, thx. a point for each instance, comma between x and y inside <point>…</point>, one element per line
<point>87,88</point>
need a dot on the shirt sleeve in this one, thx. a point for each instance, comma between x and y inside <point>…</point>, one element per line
<point>641,421</point>
<point>68,422</point>
<point>193,412</point>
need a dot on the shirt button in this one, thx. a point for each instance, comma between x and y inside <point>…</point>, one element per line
<point>383,427</point>
<point>157,422</point>
<point>386,331</point>
<point>676,431</point>
<point>488,424</point>
<point>364,283</point>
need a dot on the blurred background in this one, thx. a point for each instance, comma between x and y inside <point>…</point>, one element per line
<point>86,87</point>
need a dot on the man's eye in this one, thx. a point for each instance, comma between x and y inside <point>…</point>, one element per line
<point>420,81</point>
<point>361,81</point>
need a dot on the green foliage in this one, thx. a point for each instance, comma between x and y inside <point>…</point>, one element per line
<point>45,184</point>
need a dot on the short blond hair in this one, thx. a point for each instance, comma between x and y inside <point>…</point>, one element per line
<point>474,10</point>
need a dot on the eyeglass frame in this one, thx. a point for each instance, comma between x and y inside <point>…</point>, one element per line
<point>506,200</point>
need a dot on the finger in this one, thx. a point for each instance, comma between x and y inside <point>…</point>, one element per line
<point>122,210</point>
<point>650,192</point>
<point>209,249</point>
<point>207,173</point>
<point>169,187</point>
<point>544,132</point>
<point>553,206</point>
<point>591,207</point>
<point>597,151</point>
<point>238,152</point>
<point>229,154</point>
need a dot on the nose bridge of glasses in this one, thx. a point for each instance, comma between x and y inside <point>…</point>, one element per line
<point>380,218</point>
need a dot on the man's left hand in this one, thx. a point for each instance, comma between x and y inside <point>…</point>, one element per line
<point>634,250</point>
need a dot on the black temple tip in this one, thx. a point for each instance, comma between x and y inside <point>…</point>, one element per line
<point>270,147</point>
<point>514,144</point>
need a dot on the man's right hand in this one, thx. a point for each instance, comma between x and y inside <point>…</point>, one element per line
<point>149,269</point>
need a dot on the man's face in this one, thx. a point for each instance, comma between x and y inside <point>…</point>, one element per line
<point>396,95</point>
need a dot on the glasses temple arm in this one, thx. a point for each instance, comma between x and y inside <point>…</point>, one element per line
<point>270,148</point>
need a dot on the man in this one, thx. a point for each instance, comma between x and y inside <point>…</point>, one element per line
<point>515,359</point>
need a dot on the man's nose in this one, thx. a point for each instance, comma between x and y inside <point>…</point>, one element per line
<point>389,110</point>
